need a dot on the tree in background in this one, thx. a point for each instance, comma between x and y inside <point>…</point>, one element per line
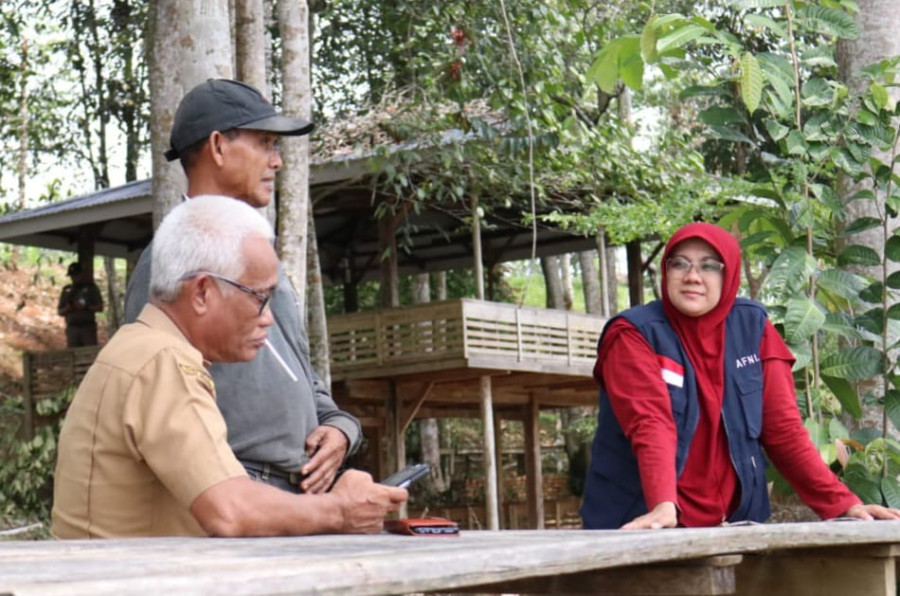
<point>107,59</point>
<point>33,101</point>
<point>879,22</point>
<point>793,135</point>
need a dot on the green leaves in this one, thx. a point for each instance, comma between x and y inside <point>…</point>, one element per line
<point>845,394</point>
<point>861,224</point>
<point>890,489</point>
<point>856,254</point>
<point>790,271</point>
<point>892,249</point>
<point>802,319</point>
<point>854,363</point>
<point>892,406</point>
<point>619,58</point>
<point>680,37</point>
<point>866,487</point>
<point>751,81</point>
<point>663,36</point>
<point>828,21</point>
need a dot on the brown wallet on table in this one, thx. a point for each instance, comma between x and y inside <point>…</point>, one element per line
<point>422,526</point>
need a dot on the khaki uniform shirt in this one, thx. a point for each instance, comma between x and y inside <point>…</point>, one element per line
<point>142,439</point>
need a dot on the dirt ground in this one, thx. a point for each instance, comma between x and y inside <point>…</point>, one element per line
<point>28,320</point>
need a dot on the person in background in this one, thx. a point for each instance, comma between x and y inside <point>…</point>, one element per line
<point>79,303</point>
<point>696,392</point>
<point>143,450</point>
<point>291,434</point>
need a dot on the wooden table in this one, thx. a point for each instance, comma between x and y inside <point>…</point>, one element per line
<point>822,558</point>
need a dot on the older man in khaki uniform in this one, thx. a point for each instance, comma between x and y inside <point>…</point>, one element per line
<point>143,449</point>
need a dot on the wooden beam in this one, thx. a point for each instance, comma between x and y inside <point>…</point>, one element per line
<point>712,576</point>
<point>411,413</point>
<point>869,570</point>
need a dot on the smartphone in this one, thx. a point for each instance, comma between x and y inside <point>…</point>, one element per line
<point>407,475</point>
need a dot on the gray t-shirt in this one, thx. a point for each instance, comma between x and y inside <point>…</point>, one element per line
<point>268,414</point>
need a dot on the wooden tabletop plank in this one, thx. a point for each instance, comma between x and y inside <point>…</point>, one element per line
<point>385,564</point>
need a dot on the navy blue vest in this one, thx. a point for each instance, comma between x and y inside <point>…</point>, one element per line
<point>612,494</point>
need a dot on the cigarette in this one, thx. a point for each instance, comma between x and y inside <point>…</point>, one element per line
<point>281,361</point>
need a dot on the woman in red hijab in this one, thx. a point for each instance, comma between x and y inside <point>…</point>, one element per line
<point>696,394</point>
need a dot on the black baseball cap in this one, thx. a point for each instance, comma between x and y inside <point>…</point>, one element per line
<point>224,104</point>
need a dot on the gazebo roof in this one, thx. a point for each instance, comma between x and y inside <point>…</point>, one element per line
<point>435,238</point>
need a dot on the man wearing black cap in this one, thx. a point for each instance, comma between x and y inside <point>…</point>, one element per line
<point>79,303</point>
<point>283,424</point>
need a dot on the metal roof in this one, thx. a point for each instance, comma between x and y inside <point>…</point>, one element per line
<point>434,238</point>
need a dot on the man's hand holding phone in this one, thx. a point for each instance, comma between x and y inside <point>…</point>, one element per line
<point>407,475</point>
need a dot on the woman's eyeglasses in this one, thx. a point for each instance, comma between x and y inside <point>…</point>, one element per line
<point>679,266</point>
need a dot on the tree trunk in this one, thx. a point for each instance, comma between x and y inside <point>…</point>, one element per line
<point>421,289</point>
<point>189,42</point>
<point>250,44</point>
<point>390,282</point>
<point>317,321</point>
<point>590,279</point>
<point>878,22</point>
<point>441,283</point>
<point>293,187</point>
<point>23,143</point>
<point>612,281</point>
<point>429,434</point>
<point>565,270</point>
<point>553,282</point>
<point>250,60</point>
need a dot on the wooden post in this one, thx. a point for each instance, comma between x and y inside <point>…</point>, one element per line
<point>87,235</point>
<point>534,485</point>
<point>491,496</point>
<point>498,449</point>
<point>490,458</point>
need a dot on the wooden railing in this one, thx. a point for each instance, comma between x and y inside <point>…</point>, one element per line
<point>48,374</point>
<point>376,344</point>
<point>464,332</point>
<point>558,514</point>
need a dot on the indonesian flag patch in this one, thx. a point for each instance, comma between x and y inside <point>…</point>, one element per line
<point>672,372</point>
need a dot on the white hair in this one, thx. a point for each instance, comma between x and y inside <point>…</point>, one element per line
<point>205,233</point>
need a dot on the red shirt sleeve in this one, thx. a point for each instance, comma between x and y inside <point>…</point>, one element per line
<point>628,369</point>
<point>787,442</point>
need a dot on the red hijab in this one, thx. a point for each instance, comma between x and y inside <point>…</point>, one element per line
<point>703,337</point>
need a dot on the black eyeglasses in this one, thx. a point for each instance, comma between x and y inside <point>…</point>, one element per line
<point>262,297</point>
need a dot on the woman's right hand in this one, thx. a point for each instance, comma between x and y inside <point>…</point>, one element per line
<point>664,515</point>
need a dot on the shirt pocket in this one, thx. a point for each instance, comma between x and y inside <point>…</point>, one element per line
<point>678,397</point>
<point>750,395</point>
